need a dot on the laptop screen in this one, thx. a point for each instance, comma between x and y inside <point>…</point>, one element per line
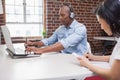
<point>7,38</point>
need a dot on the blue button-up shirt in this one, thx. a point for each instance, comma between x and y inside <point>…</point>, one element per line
<point>73,38</point>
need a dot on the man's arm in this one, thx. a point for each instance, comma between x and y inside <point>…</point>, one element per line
<point>53,48</point>
<point>38,43</point>
<point>51,40</point>
<point>29,43</point>
<point>45,42</point>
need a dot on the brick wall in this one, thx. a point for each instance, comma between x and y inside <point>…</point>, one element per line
<point>2,18</point>
<point>84,11</point>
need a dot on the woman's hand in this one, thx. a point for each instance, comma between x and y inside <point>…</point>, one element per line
<point>89,56</point>
<point>83,61</point>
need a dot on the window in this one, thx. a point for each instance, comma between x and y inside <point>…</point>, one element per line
<point>24,17</point>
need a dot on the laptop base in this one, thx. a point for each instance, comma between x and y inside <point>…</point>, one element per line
<point>13,55</point>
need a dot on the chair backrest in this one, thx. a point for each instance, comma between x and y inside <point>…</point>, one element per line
<point>94,78</point>
<point>89,47</point>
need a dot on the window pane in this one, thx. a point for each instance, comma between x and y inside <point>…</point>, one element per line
<point>34,2</point>
<point>34,14</point>
<point>25,30</point>
<point>10,2</point>
<point>14,18</point>
<point>34,18</point>
<point>38,10</point>
<point>25,18</point>
<point>10,9</point>
<point>38,2</point>
<point>14,2</point>
<point>30,10</point>
<point>30,2</point>
<point>18,10</point>
<point>19,2</point>
<point>14,13</point>
<point>19,18</point>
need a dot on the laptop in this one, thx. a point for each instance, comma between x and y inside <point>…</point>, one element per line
<point>14,51</point>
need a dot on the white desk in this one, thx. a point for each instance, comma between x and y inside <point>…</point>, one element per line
<point>45,67</point>
<point>105,38</point>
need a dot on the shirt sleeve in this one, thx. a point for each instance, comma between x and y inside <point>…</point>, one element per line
<point>50,40</point>
<point>74,38</point>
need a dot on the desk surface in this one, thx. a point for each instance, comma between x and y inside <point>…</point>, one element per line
<point>46,67</point>
<point>105,38</point>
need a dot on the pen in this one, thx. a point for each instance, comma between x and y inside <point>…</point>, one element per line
<point>26,39</point>
<point>26,42</point>
<point>26,45</point>
<point>87,56</point>
<point>87,53</point>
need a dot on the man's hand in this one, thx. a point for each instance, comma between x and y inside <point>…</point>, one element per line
<point>29,43</point>
<point>34,49</point>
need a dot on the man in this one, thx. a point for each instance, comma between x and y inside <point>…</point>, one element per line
<point>70,37</point>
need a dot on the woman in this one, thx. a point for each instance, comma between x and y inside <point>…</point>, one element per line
<point>108,15</point>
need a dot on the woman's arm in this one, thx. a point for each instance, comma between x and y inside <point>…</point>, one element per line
<point>101,58</point>
<point>97,58</point>
<point>112,73</point>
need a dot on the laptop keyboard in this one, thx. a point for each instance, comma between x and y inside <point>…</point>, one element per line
<point>19,50</point>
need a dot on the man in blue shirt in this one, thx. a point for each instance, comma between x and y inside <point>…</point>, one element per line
<point>70,37</point>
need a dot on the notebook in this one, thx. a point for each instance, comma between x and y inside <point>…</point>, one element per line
<point>14,52</point>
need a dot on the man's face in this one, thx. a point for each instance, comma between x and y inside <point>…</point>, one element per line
<point>64,15</point>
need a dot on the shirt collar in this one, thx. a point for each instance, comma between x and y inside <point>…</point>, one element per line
<point>71,25</point>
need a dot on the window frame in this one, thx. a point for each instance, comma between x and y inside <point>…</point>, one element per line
<point>20,39</point>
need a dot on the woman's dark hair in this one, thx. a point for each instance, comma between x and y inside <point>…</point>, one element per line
<point>110,12</point>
